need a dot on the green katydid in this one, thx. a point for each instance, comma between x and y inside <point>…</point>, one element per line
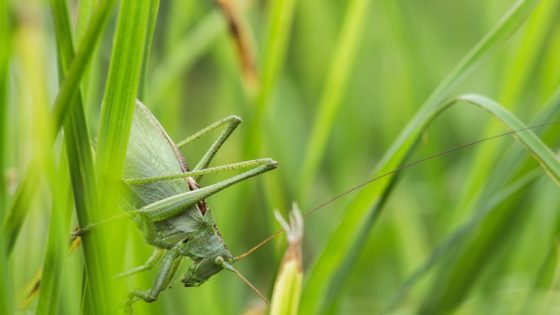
<point>169,206</point>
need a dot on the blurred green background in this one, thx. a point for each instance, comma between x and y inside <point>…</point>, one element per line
<point>324,88</point>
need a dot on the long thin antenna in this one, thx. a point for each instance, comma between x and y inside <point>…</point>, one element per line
<point>378,177</point>
<point>247,282</point>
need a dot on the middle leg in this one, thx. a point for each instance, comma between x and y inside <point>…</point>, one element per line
<point>171,261</point>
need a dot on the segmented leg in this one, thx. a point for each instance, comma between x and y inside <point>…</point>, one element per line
<point>151,262</point>
<point>171,261</point>
<point>172,206</point>
<point>200,172</point>
<point>231,121</point>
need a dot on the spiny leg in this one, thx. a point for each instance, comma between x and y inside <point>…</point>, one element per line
<point>154,258</point>
<point>171,261</point>
<point>231,121</point>
<point>171,206</point>
<point>200,172</point>
<point>163,209</point>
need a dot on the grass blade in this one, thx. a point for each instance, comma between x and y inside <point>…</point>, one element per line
<point>454,282</point>
<point>121,90</point>
<point>542,153</point>
<point>79,64</point>
<point>20,203</point>
<point>281,15</point>
<point>344,245</point>
<point>459,235</point>
<point>343,58</point>
<point>515,159</point>
<point>80,162</point>
<point>57,242</point>
<point>6,303</point>
<point>184,54</point>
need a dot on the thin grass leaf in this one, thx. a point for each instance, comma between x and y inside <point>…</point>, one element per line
<point>6,304</point>
<point>154,9</point>
<point>21,200</point>
<point>281,15</point>
<point>515,159</point>
<point>344,245</point>
<point>516,81</point>
<point>79,64</point>
<point>458,235</point>
<point>80,162</point>
<point>26,40</point>
<point>122,88</point>
<point>57,240</point>
<point>184,54</point>
<point>540,151</point>
<point>454,282</point>
<point>343,60</point>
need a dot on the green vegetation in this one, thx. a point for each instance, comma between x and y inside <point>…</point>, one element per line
<point>338,92</point>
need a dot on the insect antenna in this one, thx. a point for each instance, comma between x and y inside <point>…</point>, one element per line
<point>391,172</point>
<point>247,282</point>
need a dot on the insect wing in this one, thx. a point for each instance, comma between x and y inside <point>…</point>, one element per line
<point>152,153</point>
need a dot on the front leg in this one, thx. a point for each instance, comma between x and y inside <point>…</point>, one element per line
<point>171,261</point>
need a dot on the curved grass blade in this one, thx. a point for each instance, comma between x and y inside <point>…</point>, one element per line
<point>542,153</point>
<point>453,283</point>
<point>525,58</point>
<point>515,159</point>
<point>361,214</point>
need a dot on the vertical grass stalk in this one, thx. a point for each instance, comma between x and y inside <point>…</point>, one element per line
<point>6,304</point>
<point>121,90</point>
<point>80,164</point>
<point>343,59</point>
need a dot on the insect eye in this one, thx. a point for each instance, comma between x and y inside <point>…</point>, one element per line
<point>219,260</point>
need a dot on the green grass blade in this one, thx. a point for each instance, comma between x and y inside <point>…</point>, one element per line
<point>516,82</point>
<point>6,303</point>
<point>459,235</point>
<point>540,151</point>
<point>278,31</point>
<point>343,58</point>
<point>455,281</point>
<point>154,9</point>
<point>121,90</point>
<point>184,54</point>
<point>344,245</point>
<point>515,159</point>
<point>80,162</point>
<point>20,204</point>
<point>57,242</point>
<point>79,64</point>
